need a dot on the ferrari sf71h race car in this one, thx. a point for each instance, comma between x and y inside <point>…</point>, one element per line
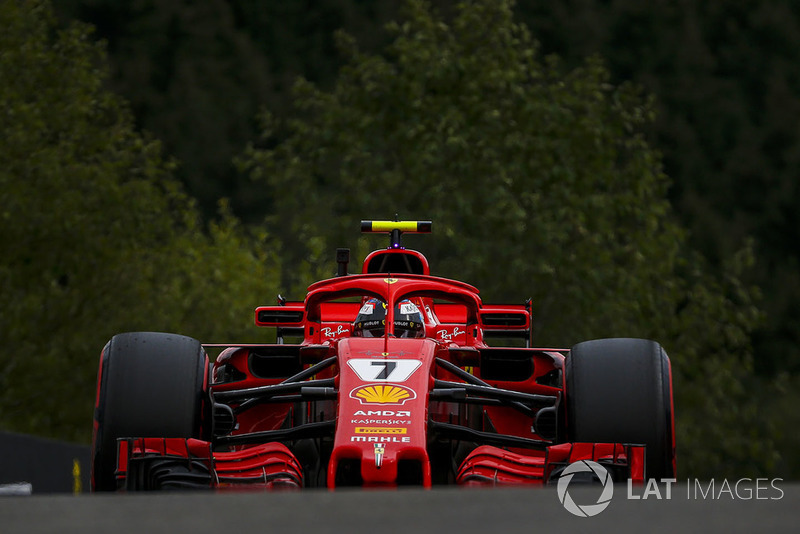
<point>395,377</point>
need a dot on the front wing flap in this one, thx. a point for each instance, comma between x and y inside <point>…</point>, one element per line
<point>178,463</point>
<point>489,465</point>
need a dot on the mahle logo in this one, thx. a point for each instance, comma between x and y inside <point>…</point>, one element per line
<point>586,510</point>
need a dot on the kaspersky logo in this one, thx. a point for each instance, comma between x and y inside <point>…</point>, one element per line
<point>585,510</point>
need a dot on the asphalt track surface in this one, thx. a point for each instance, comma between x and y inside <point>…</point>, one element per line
<point>452,510</point>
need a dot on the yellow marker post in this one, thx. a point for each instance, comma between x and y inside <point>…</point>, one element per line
<point>77,485</point>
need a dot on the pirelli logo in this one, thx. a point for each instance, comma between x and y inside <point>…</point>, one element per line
<point>380,430</point>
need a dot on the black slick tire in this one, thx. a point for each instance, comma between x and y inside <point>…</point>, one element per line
<point>149,385</point>
<point>620,391</point>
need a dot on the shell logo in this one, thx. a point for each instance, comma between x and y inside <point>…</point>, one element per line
<point>383,394</point>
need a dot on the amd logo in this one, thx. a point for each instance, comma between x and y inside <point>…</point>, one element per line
<point>384,413</point>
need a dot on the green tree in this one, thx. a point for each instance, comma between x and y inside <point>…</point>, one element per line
<point>540,184</point>
<point>193,79</point>
<point>726,79</point>
<point>97,235</point>
<point>728,91</point>
<point>196,74</point>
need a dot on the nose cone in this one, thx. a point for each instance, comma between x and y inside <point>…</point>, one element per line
<point>381,429</point>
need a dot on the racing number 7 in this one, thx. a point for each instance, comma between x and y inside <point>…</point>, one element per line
<point>388,367</point>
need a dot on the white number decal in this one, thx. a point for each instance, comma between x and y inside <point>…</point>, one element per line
<point>370,370</point>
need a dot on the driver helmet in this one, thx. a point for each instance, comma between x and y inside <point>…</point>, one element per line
<point>371,320</point>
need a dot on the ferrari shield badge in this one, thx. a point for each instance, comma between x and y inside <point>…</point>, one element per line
<point>379,451</point>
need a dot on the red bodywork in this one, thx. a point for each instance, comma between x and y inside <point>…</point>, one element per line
<point>388,411</point>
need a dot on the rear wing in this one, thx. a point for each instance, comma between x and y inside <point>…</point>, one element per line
<point>290,319</point>
<point>292,314</point>
<point>495,320</point>
<point>506,321</point>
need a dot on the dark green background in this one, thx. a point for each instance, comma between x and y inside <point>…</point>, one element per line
<point>187,83</point>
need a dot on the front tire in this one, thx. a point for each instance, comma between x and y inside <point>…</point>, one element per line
<point>620,391</point>
<point>149,385</point>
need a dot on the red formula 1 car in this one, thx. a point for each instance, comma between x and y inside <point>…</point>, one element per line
<point>391,381</point>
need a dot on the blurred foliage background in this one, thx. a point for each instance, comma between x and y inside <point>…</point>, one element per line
<point>632,167</point>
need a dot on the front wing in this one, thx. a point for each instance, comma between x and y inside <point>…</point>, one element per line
<point>178,463</point>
